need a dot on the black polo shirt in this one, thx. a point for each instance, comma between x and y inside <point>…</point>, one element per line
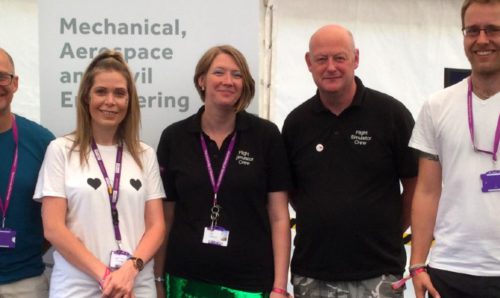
<point>346,171</point>
<point>258,165</point>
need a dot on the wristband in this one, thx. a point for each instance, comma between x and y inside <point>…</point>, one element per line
<point>414,271</point>
<point>107,272</point>
<point>281,292</point>
<point>417,271</point>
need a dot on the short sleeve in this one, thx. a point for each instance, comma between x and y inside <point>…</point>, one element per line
<point>51,181</point>
<point>163,155</point>
<point>406,158</point>
<point>279,178</point>
<point>152,173</point>
<point>424,134</point>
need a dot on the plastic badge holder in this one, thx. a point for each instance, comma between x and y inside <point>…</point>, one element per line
<point>491,181</point>
<point>7,238</point>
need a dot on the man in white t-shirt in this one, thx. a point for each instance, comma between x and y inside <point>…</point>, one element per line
<point>457,198</point>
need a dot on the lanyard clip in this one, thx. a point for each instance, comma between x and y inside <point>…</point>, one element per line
<point>215,213</point>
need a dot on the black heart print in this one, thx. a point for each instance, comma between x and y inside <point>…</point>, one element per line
<point>94,182</point>
<point>136,183</point>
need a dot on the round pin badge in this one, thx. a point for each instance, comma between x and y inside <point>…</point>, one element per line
<point>319,147</point>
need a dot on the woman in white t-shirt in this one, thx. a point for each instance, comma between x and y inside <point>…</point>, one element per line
<point>101,192</point>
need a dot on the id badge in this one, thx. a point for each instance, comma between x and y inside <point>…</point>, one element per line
<point>7,238</point>
<point>491,181</point>
<point>216,236</point>
<point>117,259</point>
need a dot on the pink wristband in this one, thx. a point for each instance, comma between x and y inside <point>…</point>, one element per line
<point>417,271</point>
<point>106,273</point>
<point>281,292</point>
<point>413,272</point>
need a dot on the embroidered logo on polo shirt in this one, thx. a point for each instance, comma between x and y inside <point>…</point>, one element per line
<point>360,138</point>
<point>244,158</point>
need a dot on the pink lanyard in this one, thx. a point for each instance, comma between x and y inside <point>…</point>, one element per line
<point>113,190</point>
<point>471,125</point>
<point>216,186</point>
<point>12,175</point>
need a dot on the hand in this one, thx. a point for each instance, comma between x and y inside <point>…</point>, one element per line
<point>120,283</point>
<point>422,283</point>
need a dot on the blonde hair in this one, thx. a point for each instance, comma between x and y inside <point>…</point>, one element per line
<point>205,62</point>
<point>128,129</point>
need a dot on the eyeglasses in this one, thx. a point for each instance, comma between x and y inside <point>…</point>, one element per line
<point>5,78</point>
<point>474,31</point>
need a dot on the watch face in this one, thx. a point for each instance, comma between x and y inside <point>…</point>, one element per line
<point>139,264</point>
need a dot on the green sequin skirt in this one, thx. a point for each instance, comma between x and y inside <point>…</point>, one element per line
<point>177,287</point>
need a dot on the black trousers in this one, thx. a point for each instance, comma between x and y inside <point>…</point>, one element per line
<point>457,285</point>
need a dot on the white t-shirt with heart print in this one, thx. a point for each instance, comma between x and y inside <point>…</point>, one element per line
<point>89,212</point>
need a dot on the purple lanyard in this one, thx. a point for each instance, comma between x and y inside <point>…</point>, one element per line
<point>113,190</point>
<point>215,185</point>
<point>471,125</point>
<point>12,175</point>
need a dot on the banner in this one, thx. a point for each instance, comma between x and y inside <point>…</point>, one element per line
<point>161,40</point>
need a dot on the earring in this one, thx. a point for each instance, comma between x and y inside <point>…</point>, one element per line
<point>202,88</point>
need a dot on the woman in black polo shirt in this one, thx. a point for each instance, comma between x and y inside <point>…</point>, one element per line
<point>226,175</point>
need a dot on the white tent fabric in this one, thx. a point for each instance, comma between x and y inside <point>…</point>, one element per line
<point>19,36</point>
<point>404,46</point>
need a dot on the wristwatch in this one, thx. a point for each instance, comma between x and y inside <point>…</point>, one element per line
<point>138,263</point>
